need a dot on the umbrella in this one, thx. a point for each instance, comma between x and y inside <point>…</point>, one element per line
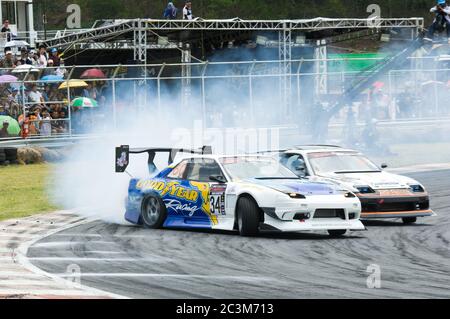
<point>25,68</point>
<point>16,43</point>
<point>14,127</point>
<point>7,79</point>
<point>73,84</point>
<point>378,85</point>
<point>52,78</point>
<point>93,74</point>
<point>84,102</point>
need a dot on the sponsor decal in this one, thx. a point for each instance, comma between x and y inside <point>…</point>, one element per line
<point>180,207</point>
<point>173,189</point>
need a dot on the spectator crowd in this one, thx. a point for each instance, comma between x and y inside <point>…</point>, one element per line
<point>32,96</point>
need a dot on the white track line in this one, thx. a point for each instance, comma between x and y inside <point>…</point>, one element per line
<point>179,276</point>
<point>93,259</point>
<point>23,260</point>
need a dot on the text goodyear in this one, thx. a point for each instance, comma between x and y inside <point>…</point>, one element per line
<point>171,188</point>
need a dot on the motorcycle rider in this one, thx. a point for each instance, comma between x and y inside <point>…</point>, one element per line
<point>441,21</point>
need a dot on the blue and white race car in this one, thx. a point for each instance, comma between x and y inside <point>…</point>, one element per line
<point>244,193</point>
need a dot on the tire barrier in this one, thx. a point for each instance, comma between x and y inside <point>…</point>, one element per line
<point>8,155</point>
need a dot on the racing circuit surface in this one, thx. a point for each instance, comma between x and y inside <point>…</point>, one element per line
<point>139,263</point>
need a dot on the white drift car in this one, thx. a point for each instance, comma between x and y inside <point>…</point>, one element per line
<point>247,193</point>
<point>382,195</point>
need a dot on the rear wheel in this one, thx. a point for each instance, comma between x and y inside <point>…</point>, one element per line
<point>337,233</point>
<point>247,217</point>
<point>154,212</point>
<point>409,220</point>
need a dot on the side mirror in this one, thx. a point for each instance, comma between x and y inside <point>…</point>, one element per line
<point>384,166</point>
<point>218,178</point>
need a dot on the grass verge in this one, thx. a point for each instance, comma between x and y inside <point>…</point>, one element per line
<point>24,190</point>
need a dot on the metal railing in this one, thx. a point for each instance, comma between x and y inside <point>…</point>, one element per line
<point>249,92</point>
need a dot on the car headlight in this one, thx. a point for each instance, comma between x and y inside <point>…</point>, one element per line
<point>416,188</point>
<point>365,189</point>
<point>296,195</point>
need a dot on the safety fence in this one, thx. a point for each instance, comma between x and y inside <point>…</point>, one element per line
<point>63,101</point>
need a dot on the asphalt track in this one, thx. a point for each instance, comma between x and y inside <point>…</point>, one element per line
<point>414,260</point>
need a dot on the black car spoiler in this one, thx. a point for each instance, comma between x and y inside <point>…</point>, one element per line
<point>123,155</point>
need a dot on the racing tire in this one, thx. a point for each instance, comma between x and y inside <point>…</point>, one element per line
<point>11,154</point>
<point>337,233</point>
<point>2,156</point>
<point>247,217</point>
<point>153,212</point>
<point>409,220</point>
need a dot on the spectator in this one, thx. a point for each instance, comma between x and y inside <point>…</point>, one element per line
<point>55,57</point>
<point>62,122</point>
<point>42,57</point>
<point>7,30</point>
<point>55,123</point>
<point>91,91</point>
<point>24,57</point>
<point>8,61</point>
<point>441,20</point>
<point>49,70</point>
<point>34,96</point>
<point>14,96</point>
<point>61,71</point>
<point>4,131</point>
<point>170,13</point>
<point>32,55</point>
<point>3,111</point>
<point>46,93</point>
<point>46,124</point>
<point>187,11</point>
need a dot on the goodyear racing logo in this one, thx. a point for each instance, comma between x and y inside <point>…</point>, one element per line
<point>198,195</point>
<point>173,189</point>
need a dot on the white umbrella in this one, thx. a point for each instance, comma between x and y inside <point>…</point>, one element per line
<point>16,43</point>
<point>25,68</point>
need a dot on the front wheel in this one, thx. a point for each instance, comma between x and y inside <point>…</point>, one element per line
<point>153,212</point>
<point>247,217</point>
<point>337,233</point>
<point>409,220</point>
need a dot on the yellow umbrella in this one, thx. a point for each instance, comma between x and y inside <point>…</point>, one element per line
<point>73,84</point>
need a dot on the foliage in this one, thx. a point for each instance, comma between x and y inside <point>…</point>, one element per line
<point>225,9</point>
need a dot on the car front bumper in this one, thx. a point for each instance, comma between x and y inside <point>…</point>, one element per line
<point>375,207</point>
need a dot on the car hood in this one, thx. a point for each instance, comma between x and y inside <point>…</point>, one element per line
<point>298,186</point>
<point>379,180</point>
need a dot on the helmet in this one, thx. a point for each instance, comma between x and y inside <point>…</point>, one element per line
<point>440,2</point>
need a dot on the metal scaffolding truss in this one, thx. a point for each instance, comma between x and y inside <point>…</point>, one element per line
<point>320,54</point>
<point>140,25</point>
<point>295,25</point>
<point>84,36</point>
<point>140,42</point>
<point>285,56</point>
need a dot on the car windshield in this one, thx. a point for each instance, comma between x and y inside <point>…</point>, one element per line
<point>341,163</point>
<point>240,168</point>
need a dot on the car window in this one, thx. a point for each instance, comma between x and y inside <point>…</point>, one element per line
<point>200,170</point>
<point>179,171</point>
<point>296,163</point>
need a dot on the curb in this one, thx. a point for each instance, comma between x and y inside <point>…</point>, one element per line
<point>34,282</point>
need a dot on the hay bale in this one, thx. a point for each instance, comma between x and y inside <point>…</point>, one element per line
<point>50,155</point>
<point>29,155</point>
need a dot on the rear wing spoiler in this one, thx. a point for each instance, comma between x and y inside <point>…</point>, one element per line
<point>123,155</point>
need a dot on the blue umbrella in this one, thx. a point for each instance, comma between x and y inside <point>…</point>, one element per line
<point>51,77</point>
